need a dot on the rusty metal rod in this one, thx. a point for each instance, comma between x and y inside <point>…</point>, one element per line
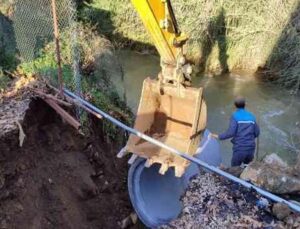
<point>57,45</point>
<point>77,103</point>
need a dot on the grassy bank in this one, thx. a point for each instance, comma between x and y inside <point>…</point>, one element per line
<point>224,34</point>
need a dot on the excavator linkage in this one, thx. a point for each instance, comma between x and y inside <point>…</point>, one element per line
<point>169,111</point>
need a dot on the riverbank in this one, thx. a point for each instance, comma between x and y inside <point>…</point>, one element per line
<point>231,35</point>
<point>227,35</point>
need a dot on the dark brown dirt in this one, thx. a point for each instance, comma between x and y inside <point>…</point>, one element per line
<point>59,178</point>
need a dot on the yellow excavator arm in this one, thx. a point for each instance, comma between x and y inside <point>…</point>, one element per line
<point>159,19</point>
<point>170,110</point>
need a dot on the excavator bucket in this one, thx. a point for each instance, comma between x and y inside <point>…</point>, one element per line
<point>176,117</point>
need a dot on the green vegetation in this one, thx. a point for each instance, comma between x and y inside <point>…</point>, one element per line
<point>97,64</point>
<point>32,35</point>
<point>238,34</point>
<point>284,62</point>
<point>224,35</point>
<point>118,21</point>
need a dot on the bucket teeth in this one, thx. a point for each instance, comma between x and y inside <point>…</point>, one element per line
<point>163,169</point>
<point>172,118</point>
<point>132,159</point>
<point>148,163</point>
<point>179,171</point>
<point>122,152</point>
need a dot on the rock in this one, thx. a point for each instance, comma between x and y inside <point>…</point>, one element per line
<point>125,223</point>
<point>22,166</point>
<point>251,173</point>
<point>129,220</point>
<point>262,203</point>
<point>186,210</point>
<point>134,218</point>
<point>19,207</point>
<point>274,160</point>
<point>274,179</point>
<point>20,183</point>
<point>96,155</point>
<point>281,211</point>
<point>292,221</point>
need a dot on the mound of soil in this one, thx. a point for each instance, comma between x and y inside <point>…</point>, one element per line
<point>59,178</point>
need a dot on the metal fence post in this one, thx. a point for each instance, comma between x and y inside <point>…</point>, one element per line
<point>56,37</point>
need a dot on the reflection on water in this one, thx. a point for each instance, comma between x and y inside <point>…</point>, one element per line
<point>137,67</point>
<point>277,112</point>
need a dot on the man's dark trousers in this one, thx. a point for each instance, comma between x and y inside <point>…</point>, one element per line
<point>242,156</point>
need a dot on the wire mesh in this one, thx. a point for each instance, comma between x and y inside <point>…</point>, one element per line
<point>34,34</point>
<point>82,50</point>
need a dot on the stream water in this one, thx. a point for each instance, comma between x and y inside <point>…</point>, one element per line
<point>276,110</point>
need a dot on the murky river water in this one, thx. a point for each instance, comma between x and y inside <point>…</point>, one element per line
<point>277,111</point>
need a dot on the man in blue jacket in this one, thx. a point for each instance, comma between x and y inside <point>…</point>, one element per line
<point>242,130</point>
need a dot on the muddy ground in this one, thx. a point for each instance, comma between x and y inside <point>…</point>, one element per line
<point>59,178</point>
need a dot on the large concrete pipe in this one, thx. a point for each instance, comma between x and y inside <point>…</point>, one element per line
<point>155,197</point>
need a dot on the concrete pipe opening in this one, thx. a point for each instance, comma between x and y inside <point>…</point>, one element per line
<point>155,197</point>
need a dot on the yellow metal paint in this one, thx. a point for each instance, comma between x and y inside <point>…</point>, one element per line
<point>176,117</point>
<point>152,12</point>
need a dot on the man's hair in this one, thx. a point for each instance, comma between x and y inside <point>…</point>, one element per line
<point>240,102</point>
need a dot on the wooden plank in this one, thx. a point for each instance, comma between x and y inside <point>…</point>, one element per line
<point>65,115</point>
<point>49,96</point>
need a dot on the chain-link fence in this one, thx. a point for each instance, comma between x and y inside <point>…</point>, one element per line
<point>33,23</point>
<point>89,65</point>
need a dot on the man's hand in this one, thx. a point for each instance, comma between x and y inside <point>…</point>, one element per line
<point>211,135</point>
